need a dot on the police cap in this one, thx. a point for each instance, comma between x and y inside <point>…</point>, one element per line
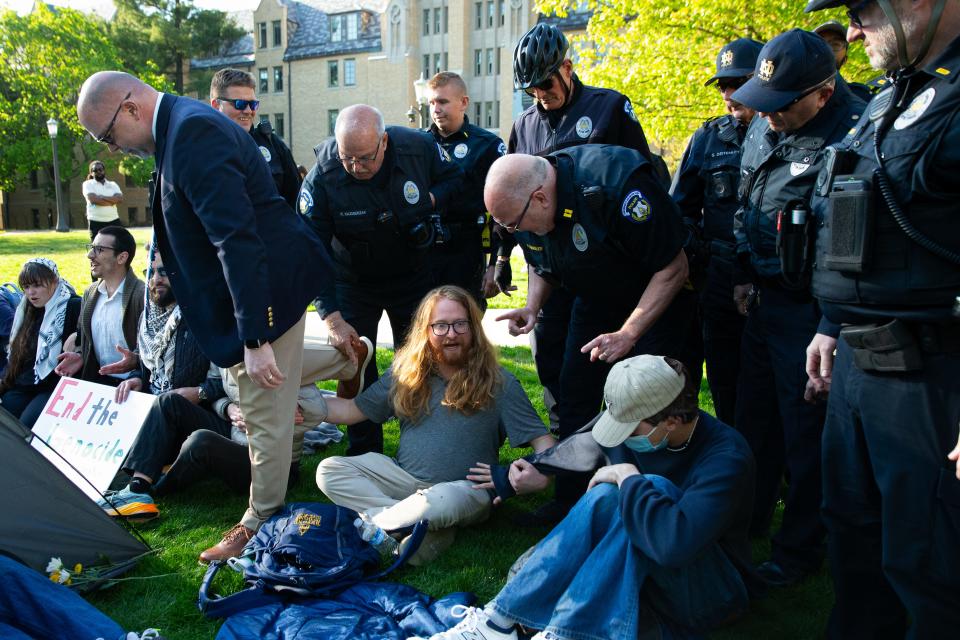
<point>736,59</point>
<point>832,26</point>
<point>817,5</point>
<point>789,65</point>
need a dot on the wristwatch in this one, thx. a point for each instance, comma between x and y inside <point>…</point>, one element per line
<point>201,394</point>
<point>254,344</point>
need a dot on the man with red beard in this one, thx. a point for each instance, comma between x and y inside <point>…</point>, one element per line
<point>455,404</point>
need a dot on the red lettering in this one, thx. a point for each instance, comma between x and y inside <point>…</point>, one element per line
<point>76,416</point>
<point>58,396</point>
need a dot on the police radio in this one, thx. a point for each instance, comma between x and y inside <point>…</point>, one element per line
<point>851,224</point>
<point>794,224</point>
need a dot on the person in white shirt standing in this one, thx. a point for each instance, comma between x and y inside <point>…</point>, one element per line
<point>102,196</point>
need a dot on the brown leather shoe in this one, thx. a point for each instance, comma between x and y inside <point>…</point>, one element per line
<point>232,544</point>
<point>348,389</point>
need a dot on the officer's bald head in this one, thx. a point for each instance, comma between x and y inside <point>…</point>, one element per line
<point>361,138</point>
<point>118,108</point>
<point>510,185</point>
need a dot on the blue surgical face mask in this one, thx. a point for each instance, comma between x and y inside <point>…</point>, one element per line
<point>642,444</point>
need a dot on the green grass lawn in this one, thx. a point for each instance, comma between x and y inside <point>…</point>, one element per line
<point>477,562</point>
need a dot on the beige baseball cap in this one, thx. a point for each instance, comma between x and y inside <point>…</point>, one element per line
<point>636,389</point>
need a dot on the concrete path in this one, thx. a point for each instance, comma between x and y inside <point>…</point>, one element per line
<point>496,331</point>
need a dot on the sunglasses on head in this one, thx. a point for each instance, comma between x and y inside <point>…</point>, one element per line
<point>240,105</point>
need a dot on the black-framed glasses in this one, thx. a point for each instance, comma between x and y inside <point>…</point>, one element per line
<point>99,248</point>
<point>800,97</point>
<point>441,329</point>
<point>853,13</point>
<point>513,227</point>
<point>240,105</point>
<point>731,83</point>
<point>106,138</point>
<point>159,271</point>
<point>544,85</point>
<point>361,159</point>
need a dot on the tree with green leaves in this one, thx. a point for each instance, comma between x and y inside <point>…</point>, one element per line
<point>659,53</point>
<point>164,34</point>
<point>44,58</point>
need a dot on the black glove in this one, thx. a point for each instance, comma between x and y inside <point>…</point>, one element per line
<point>503,276</point>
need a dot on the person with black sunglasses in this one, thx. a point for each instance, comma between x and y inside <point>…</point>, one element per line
<point>233,93</point>
<point>705,190</point>
<point>887,279</point>
<point>803,110</point>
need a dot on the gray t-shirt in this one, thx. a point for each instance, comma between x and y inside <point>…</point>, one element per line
<point>444,444</point>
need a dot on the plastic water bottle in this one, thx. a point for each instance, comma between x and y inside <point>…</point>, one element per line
<point>376,536</point>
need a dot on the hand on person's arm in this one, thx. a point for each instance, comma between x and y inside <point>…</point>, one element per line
<point>613,474</point>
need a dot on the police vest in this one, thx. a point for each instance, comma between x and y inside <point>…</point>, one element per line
<point>895,270</point>
<point>580,253</point>
<point>274,151</point>
<point>373,221</point>
<point>776,171</point>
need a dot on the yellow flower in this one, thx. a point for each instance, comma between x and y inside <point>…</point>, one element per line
<point>77,568</point>
<point>55,576</point>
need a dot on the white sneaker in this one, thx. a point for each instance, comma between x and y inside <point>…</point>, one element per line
<point>473,627</point>
<point>546,635</point>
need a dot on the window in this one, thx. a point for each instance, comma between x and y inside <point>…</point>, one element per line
<point>489,62</point>
<point>264,81</point>
<point>477,109</point>
<point>337,27</point>
<point>278,79</point>
<point>426,66</point>
<point>35,213</point>
<point>264,118</point>
<point>446,20</point>
<point>278,123</point>
<point>333,73</point>
<point>349,72</point>
<point>496,114</point>
<point>499,55</point>
<point>277,33</point>
<point>132,215</point>
<point>34,179</point>
<point>426,22</point>
<point>353,20</point>
<point>332,120</point>
<point>502,10</point>
<point>446,61</point>
<point>262,35</point>
<point>488,112</point>
<point>436,63</point>
<point>478,15</point>
<point>478,62</point>
<point>490,13</point>
<point>437,20</point>
<point>128,181</point>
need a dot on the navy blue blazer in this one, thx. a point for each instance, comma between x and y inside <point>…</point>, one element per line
<point>243,265</point>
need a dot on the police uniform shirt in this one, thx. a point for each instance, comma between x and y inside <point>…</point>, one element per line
<point>778,168</point>
<point>366,224</point>
<point>921,157</point>
<point>593,116</point>
<point>705,185</point>
<point>610,249</point>
<point>280,160</point>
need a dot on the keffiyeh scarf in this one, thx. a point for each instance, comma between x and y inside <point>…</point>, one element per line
<point>157,346</point>
<point>50,337</point>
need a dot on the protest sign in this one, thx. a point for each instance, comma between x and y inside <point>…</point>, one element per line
<point>85,425</point>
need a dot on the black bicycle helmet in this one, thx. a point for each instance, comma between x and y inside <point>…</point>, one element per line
<point>539,54</point>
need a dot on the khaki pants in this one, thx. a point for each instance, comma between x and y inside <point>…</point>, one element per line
<point>376,485</point>
<point>269,416</point>
<point>321,361</point>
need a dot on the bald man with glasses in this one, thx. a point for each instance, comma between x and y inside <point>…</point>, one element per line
<point>377,196</point>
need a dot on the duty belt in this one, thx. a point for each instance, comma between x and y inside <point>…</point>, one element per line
<point>898,346</point>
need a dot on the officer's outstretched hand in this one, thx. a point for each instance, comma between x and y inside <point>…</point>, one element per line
<point>342,335</point>
<point>521,320</point>
<point>503,276</point>
<point>609,347</point>
<point>820,366</point>
<point>955,456</point>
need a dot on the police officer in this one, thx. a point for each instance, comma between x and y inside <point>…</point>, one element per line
<point>888,272</point>
<point>372,196</point>
<point>835,35</point>
<point>594,221</point>
<point>460,259</point>
<point>705,190</point>
<point>803,110</point>
<point>232,92</point>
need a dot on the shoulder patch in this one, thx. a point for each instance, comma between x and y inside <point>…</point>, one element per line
<point>628,108</point>
<point>266,153</point>
<point>305,202</point>
<point>636,207</point>
<point>917,108</point>
<point>461,150</point>
<point>579,237</point>
<point>411,193</point>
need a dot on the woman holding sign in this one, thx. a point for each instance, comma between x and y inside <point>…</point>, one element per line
<point>47,315</point>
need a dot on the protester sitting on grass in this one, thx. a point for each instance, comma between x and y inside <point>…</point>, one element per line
<point>455,404</point>
<point>658,546</point>
<point>46,316</point>
<point>110,311</point>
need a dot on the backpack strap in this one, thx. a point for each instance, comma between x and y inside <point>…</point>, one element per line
<point>416,538</point>
<point>214,606</point>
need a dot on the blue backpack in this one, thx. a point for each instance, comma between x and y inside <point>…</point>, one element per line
<point>307,549</point>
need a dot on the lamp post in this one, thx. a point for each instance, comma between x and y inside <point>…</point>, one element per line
<point>62,223</point>
<point>420,90</point>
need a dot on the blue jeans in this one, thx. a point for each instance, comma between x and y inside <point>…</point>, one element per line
<point>31,606</point>
<point>585,580</point>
